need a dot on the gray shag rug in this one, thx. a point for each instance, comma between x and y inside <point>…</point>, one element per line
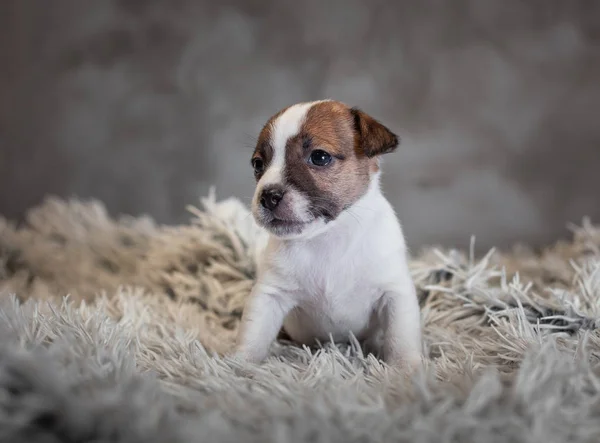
<point>116,331</point>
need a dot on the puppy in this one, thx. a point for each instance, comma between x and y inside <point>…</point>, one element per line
<point>335,262</point>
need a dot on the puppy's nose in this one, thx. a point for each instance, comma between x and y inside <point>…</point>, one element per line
<point>270,197</point>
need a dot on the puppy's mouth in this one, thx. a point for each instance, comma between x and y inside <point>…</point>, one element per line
<point>283,227</point>
<point>285,223</point>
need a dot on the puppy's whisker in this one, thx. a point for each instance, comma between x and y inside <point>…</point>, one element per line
<point>327,201</point>
<point>355,217</point>
<point>362,208</point>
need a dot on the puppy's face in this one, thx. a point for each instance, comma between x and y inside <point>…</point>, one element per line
<point>312,162</point>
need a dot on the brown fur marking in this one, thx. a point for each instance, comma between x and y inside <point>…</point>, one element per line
<point>354,140</point>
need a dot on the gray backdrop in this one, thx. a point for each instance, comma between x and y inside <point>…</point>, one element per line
<point>144,104</point>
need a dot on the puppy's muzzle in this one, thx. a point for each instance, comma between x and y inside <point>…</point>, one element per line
<point>271,196</point>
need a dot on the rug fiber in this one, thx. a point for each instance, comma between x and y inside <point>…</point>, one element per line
<point>117,330</point>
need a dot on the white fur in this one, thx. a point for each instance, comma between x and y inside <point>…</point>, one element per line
<point>283,128</point>
<point>346,276</point>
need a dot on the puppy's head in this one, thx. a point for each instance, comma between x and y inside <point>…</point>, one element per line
<point>313,161</point>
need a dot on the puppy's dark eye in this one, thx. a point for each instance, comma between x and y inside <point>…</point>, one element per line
<point>319,158</point>
<point>258,165</point>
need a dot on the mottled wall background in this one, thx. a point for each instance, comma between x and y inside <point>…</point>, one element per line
<point>145,103</point>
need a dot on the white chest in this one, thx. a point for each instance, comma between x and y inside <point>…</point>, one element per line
<point>335,295</point>
<point>327,272</point>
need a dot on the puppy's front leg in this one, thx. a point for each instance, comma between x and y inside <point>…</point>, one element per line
<point>262,319</point>
<point>402,346</point>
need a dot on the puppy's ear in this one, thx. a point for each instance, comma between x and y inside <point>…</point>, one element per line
<point>374,138</point>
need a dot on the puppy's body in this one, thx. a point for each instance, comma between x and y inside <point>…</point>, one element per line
<point>335,262</point>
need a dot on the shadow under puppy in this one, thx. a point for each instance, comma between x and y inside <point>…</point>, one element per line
<point>336,260</point>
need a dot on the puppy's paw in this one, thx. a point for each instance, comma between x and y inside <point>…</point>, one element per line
<point>238,353</point>
<point>244,355</point>
<point>407,365</point>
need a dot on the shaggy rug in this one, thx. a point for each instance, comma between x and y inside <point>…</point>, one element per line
<point>117,330</point>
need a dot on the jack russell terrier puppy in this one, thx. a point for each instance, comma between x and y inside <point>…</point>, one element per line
<point>336,260</point>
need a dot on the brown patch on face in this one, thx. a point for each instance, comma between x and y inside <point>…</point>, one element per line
<point>352,139</point>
